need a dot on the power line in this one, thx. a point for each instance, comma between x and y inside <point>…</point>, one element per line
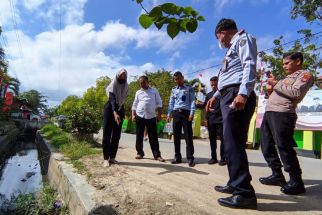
<point>283,44</point>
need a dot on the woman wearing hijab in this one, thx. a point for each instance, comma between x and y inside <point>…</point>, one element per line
<point>117,91</point>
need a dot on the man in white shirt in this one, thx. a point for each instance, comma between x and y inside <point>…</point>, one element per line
<point>147,101</point>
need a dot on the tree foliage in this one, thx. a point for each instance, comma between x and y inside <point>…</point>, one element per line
<point>311,10</point>
<point>35,99</point>
<point>85,114</point>
<point>175,17</point>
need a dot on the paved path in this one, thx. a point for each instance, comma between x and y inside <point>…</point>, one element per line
<point>195,185</point>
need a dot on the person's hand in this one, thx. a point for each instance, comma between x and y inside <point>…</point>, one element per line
<point>168,119</point>
<point>133,117</point>
<point>271,81</point>
<point>206,123</point>
<point>159,117</point>
<point>239,102</point>
<point>210,103</point>
<point>117,118</point>
<point>269,89</point>
<point>190,118</point>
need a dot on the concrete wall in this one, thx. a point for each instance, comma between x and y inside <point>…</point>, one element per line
<point>73,187</point>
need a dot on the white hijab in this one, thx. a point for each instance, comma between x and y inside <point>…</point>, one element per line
<point>121,91</point>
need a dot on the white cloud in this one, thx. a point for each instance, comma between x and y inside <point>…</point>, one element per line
<point>84,56</point>
<point>8,12</point>
<point>32,4</point>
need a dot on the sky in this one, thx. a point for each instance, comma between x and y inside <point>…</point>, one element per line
<point>60,47</point>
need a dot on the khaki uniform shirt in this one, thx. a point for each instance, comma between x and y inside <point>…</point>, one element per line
<point>287,93</point>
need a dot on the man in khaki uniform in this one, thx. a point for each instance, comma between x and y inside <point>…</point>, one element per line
<point>279,123</point>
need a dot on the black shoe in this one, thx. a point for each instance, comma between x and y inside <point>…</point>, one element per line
<point>293,188</point>
<point>238,201</point>
<point>176,161</point>
<point>138,156</point>
<point>224,189</point>
<point>275,180</point>
<point>191,163</point>
<point>212,161</point>
<point>222,163</point>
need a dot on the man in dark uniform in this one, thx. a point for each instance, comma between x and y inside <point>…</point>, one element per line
<point>279,122</point>
<point>214,124</point>
<point>182,106</point>
<point>237,102</point>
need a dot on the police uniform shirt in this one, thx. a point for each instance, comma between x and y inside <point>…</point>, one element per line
<point>239,65</point>
<point>146,102</point>
<point>287,93</point>
<point>182,97</point>
<point>214,115</point>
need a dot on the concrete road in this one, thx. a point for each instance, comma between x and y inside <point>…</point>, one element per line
<point>195,185</point>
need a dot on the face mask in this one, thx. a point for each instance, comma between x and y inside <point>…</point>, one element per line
<point>121,81</point>
<point>221,45</point>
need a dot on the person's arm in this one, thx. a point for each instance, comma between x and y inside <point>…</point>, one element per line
<point>112,100</point>
<point>296,90</point>
<point>158,104</point>
<point>135,105</point>
<point>247,50</point>
<point>171,104</point>
<point>192,100</point>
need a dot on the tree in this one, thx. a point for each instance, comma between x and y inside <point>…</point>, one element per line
<point>311,10</point>
<point>67,105</point>
<point>36,100</point>
<point>176,18</point>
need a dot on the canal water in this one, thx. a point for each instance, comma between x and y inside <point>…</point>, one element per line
<point>20,174</point>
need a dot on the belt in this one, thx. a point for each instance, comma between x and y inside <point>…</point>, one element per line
<point>181,110</point>
<point>227,88</point>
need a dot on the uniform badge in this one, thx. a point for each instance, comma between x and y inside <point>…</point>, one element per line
<point>242,43</point>
<point>286,81</point>
<point>306,77</point>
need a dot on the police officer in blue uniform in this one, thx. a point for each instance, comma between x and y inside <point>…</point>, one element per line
<point>237,103</point>
<point>182,107</point>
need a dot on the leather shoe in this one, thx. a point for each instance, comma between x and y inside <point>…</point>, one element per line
<point>176,161</point>
<point>224,189</point>
<point>139,157</point>
<point>293,188</point>
<point>191,163</point>
<point>160,159</point>
<point>275,180</point>
<point>222,163</point>
<point>212,161</point>
<point>238,201</point>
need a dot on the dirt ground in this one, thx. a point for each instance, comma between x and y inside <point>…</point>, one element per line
<point>139,187</point>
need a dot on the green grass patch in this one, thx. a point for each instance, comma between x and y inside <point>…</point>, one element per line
<point>70,147</point>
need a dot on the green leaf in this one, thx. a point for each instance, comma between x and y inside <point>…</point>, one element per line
<point>201,18</point>
<point>179,10</point>
<point>169,8</point>
<point>156,13</point>
<point>159,23</point>
<point>172,30</point>
<point>139,1</point>
<point>183,24</point>
<point>187,10</point>
<point>192,25</point>
<point>194,13</point>
<point>145,21</point>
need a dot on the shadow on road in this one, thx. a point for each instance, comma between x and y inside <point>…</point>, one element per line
<point>310,201</point>
<point>257,164</point>
<point>169,168</point>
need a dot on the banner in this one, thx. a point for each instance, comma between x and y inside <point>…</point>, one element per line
<point>309,111</point>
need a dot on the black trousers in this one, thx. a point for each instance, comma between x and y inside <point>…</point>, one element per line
<point>235,124</point>
<point>277,129</point>
<point>181,120</point>
<point>151,125</point>
<point>111,132</point>
<point>214,130</point>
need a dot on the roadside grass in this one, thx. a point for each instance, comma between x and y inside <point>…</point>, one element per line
<point>45,201</point>
<point>70,147</point>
